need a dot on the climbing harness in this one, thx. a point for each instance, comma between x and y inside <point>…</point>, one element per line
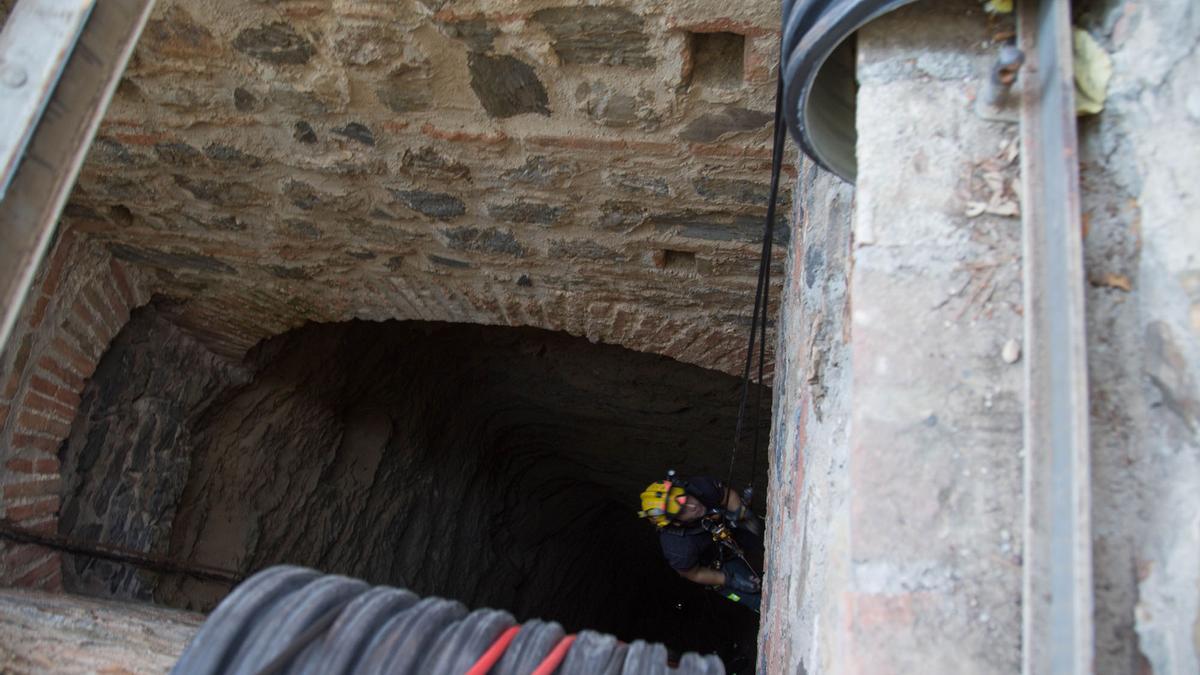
<point>296,620</point>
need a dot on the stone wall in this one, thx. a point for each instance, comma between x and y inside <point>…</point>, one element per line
<point>600,170</point>
<point>1139,169</point>
<point>808,481</point>
<point>81,297</point>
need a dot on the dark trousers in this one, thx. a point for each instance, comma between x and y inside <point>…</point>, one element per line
<point>751,601</point>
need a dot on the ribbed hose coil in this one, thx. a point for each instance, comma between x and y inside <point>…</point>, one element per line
<point>817,67</point>
<point>289,619</point>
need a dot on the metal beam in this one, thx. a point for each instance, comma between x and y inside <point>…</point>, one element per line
<point>1057,635</point>
<point>54,154</point>
<point>34,45</point>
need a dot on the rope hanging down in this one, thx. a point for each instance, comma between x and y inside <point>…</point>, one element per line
<point>758,320</point>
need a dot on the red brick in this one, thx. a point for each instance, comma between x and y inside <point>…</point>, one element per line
<point>105,317</point>
<point>45,524</point>
<point>61,394</point>
<point>21,556</point>
<point>83,312</point>
<point>48,406</point>
<point>68,378</point>
<point>72,356</point>
<point>18,366</point>
<point>39,311</point>
<point>27,421</point>
<point>578,142</point>
<point>463,136</point>
<point>121,280</point>
<point>41,507</point>
<point>52,564</point>
<point>55,267</point>
<point>19,465</point>
<point>46,465</point>
<point>140,139</point>
<point>112,295</point>
<point>54,582</point>
<point>82,337</point>
<point>33,488</point>
<point>39,443</point>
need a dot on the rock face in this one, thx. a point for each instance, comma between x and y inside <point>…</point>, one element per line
<point>496,466</point>
<point>125,471</point>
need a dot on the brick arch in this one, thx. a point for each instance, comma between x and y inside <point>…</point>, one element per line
<point>80,299</point>
<point>233,320</point>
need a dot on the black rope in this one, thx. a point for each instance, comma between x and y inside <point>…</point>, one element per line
<point>761,296</point>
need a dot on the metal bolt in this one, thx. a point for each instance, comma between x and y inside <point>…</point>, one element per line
<point>13,76</point>
<point>1007,64</point>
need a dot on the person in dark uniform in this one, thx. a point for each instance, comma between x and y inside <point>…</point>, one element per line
<point>692,517</point>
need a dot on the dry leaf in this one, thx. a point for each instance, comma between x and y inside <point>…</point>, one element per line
<point>1115,281</point>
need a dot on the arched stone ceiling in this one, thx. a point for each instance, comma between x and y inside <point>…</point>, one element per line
<point>601,170</point>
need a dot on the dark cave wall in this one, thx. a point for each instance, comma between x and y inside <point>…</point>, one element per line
<point>497,466</point>
<point>126,461</point>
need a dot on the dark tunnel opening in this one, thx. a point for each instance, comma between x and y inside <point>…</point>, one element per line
<point>497,466</point>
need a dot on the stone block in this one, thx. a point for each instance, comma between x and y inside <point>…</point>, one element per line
<point>583,249</point>
<point>712,126</point>
<point>356,132</point>
<point>179,154</point>
<point>638,184</point>
<point>526,212</point>
<point>733,190</point>
<point>610,107</point>
<point>195,262</point>
<point>507,86</point>
<point>541,171</point>
<point>176,34</point>
<point>228,154</point>
<point>221,193</point>
<point>426,161</point>
<point>597,36</point>
<point>366,43</point>
<point>276,43</point>
<point>406,89</point>
<point>301,195</point>
<point>484,240</point>
<point>477,33</point>
<point>437,205</point>
<point>302,131</point>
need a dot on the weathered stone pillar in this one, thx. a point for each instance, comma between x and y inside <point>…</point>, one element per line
<point>898,467</point>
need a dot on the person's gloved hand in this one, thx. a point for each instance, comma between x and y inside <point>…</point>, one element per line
<point>752,523</point>
<point>744,518</point>
<point>741,583</point>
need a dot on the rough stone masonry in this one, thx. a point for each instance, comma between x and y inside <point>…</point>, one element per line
<point>599,170</point>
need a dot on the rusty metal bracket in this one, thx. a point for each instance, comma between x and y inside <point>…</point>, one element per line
<point>1057,634</point>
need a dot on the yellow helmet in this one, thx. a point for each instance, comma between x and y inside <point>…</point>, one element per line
<point>660,501</point>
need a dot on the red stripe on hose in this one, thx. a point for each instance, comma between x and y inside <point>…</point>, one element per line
<point>493,654</point>
<point>555,657</point>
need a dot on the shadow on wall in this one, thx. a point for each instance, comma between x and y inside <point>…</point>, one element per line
<point>497,466</point>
